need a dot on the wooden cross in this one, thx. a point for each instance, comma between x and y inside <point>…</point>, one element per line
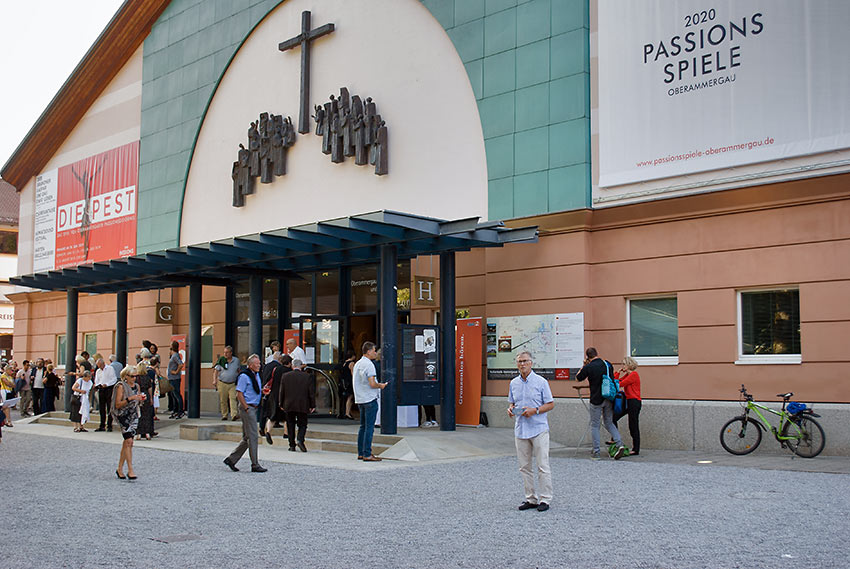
<point>303,39</point>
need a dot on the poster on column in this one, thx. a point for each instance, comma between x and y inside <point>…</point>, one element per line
<point>468,361</point>
<point>86,211</point>
<point>692,86</point>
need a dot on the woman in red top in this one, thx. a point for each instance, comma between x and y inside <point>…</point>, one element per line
<point>630,384</point>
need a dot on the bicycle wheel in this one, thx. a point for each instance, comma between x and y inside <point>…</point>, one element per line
<point>740,436</point>
<point>808,437</point>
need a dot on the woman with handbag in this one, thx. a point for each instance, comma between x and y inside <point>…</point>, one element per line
<point>630,384</point>
<point>80,406</point>
<point>127,400</point>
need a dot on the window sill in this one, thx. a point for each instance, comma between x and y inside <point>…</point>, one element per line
<point>658,361</point>
<point>769,360</point>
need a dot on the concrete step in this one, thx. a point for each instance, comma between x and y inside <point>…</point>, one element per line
<point>311,442</point>
<point>62,419</point>
<point>320,433</point>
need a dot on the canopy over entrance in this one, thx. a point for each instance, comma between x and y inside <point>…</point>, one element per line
<point>350,240</point>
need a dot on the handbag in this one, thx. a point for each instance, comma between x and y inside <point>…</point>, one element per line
<point>165,387</point>
<point>610,386</point>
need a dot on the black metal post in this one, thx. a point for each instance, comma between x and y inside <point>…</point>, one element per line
<point>282,309</point>
<point>255,317</point>
<point>73,297</point>
<point>447,336</point>
<point>193,373</point>
<point>121,328</point>
<point>388,294</point>
<point>229,316</point>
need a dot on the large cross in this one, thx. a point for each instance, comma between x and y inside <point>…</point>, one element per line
<point>303,39</point>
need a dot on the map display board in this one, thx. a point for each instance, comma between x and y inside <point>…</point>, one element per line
<point>555,341</point>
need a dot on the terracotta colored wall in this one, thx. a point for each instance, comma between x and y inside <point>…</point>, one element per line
<point>703,257</point>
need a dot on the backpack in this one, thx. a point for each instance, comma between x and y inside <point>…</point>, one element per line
<point>20,384</point>
<point>620,404</point>
<point>610,386</point>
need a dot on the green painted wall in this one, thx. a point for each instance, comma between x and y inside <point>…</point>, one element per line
<point>185,55</point>
<point>527,61</point>
<point>529,65</point>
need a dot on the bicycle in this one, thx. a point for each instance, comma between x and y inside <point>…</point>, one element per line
<point>797,431</point>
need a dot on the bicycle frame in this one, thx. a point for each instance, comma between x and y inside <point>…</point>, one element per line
<point>766,425</point>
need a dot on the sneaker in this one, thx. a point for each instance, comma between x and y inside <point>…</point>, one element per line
<point>434,424</point>
<point>595,456</point>
<point>527,506</point>
<point>619,454</point>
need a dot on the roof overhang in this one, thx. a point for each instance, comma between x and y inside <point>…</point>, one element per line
<point>282,253</point>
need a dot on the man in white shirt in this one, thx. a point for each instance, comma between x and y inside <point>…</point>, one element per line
<point>104,380</point>
<point>37,375</point>
<point>366,392</point>
<point>295,351</point>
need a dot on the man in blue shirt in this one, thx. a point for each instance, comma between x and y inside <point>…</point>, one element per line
<point>530,399</point>
<point>248,393</point>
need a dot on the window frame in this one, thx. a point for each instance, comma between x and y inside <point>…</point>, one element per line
<point>60,354</point>
<point>763,359</point>
<point>650,360</point>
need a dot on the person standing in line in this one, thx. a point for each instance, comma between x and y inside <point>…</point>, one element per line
<point>104,381</point>
<point>7,386</point>
<point>249,393</point>
<point>295,351</point>
<point>630,384</point>
<point>175,367</point>
<point>127,399</point>
<point>275,347</point>
<point>22,377</point>
<point>145,430</point>
<point>600,408</point>
<point>37,376</point>
<point>115,365</point>
<point>299,400</point>
<point>52,384</point>
<point>224,381</point>
<point>530,398</point>
<point>80,404</point>
<point>366,392</point>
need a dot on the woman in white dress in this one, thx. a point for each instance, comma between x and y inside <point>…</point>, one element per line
<point>80,404</point>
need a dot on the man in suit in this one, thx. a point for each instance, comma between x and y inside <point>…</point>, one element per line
<point>298,394</point>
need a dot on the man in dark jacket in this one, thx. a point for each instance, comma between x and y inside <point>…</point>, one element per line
<point>298,395</point>
<point>601,409</point>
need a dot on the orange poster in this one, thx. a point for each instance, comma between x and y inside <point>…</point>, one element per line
<point>468,355</point>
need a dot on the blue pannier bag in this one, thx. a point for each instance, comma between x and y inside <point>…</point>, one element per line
<point>794,407</point>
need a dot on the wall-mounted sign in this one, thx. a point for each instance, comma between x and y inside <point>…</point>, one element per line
<point>691,86</point>
<point>425,291</point>
<point>86,211</point>
<point>555,342</point>
<point>164,313</point>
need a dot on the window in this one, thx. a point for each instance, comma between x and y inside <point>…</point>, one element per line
<point>90,343</point>
<point>9,242</point>
<point>60,350</point>
<point>206,346</point>
<point>769,326</point>
<point>653,330</point>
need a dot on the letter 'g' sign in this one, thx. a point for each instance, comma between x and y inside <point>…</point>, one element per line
<point>164,313</point>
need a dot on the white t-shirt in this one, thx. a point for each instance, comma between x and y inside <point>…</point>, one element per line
<point>363,392</point>
<point>298,354</point>
<point>38,378</point>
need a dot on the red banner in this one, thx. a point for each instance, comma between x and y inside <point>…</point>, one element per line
<point>468,355</point>
<point>96,207</point>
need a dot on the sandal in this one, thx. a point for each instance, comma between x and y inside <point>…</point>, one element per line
<point>76,430</point>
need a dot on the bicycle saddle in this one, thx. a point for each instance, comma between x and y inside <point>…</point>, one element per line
<point>785,395</point>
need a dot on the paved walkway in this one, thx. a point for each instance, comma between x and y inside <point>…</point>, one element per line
<point>65,508</point>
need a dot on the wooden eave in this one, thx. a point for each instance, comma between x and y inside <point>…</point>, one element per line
<point>112,49</point>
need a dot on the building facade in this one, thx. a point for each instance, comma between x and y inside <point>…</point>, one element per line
<point>698,233</point>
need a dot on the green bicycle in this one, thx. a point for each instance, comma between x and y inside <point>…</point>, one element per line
<point>797,431</point>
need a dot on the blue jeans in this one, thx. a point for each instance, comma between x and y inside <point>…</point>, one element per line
<point>176,398</point>
<point>368,414</point>
<point>605,414</point>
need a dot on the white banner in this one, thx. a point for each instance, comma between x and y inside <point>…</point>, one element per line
<point>44,246</point>
<point>691,86</point>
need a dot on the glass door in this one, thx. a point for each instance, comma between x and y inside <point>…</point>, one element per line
<point>322,341</point>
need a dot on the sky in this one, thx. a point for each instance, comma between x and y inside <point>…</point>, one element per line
<point>41,42</point>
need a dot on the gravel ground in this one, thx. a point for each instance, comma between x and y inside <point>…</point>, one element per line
<point>458,514</point>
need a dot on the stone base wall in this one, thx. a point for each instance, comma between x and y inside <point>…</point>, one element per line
<point>676,425</point>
